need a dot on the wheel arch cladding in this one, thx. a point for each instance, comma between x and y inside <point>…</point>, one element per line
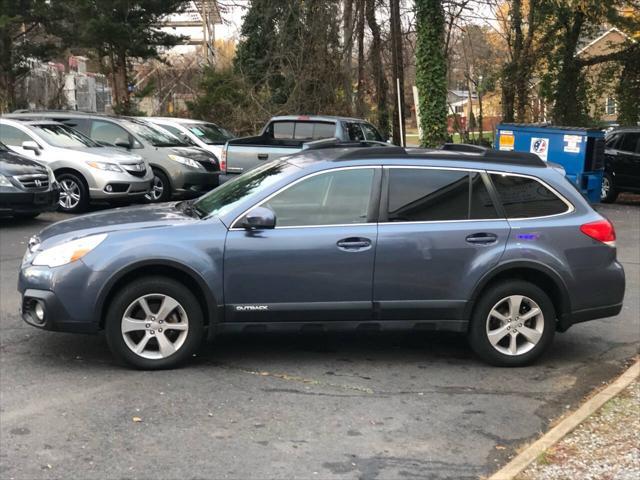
<point>175,271</point>
<point>541,276</point>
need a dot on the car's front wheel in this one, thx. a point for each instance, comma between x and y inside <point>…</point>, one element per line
<point>74,194</point>
<point>513,323</point>
<point>160,188</point>
<point>154,323</point>
<point>608,193</point>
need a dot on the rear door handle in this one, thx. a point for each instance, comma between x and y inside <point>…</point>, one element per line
<point>263,156</point>
<point>482,238</point>
<point>354,244</point>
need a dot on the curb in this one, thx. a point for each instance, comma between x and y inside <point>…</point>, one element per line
<point>529,454</point>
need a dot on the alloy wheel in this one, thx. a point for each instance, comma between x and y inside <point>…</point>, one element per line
<point>515,325</point>
<point>156,190</point>
<point>69,194</point>
<point>155,326</point>
<point>606,188</point>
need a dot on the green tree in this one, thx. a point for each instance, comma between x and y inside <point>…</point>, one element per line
<point>628,90</point>
<point>23,36</point>
<point>119,31</point>
<point>431,72</point>
<point>574,21</point>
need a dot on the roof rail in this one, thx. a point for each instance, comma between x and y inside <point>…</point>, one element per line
<point>336,143</point>
<point>464,147</point>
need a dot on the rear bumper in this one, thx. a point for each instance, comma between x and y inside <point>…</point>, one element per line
<point>585,315</point>
<point>29,202</point>
<point>190,184</point>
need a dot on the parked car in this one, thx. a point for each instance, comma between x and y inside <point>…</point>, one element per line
<point>495,244</point>
<point>621,163</point>
<point>206,135</point>
<point>287,135</point>
<point>84,169</point>
<point>180,170</point>
<point>27,188</point>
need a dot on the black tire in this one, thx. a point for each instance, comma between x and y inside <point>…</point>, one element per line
<point>146,286</point>
<point>478,335</point>
<point>162,181</point>
<point>79,186</point>
<point>610,194</point>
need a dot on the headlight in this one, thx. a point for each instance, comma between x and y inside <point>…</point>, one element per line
<point>185,161</point>
<point>68,252</point>
<point>4,181</point>
<point>111,167</point>
<point>52,177</point>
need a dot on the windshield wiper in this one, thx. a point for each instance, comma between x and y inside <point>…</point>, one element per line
<point>188,207</point>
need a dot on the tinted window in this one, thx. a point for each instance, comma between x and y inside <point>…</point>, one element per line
<point>371,133</point>
<point>427,195</point>
<point>108,132</point>
<point>332,198</point>
<point>283,130</point>
<point>481,205</point>
<point>525,197</point>
<point>354,132</point>
<point>629,142</point>
<point>12,136</point>
<point>611,140</point>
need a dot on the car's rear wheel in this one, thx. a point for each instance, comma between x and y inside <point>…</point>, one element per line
<point>74,194</point>
<point>513,324</point>
<point>160,188</point>
<point>608,193</point>
<point>154,323</point>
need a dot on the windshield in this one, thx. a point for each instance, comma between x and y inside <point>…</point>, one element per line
<point>250,184</point>
<point>64,137</point>
<point>3,147</point>
<point>155,136</point>
<point>209,133</point>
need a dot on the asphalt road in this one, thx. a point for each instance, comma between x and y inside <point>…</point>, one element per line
<point>249,407</point>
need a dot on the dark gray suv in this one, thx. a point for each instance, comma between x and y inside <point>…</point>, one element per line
<point>497,245</point>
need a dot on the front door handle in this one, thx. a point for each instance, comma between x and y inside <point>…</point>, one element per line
<point>354,244</point>
<point>482,238</point>
<point>263,156</point>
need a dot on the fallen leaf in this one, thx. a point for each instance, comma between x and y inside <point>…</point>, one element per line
<point>136,419</point>
<point>500,447</point>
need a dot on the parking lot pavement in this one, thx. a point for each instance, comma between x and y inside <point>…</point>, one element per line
<point>334,406</point>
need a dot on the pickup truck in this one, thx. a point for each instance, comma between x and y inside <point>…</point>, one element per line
<point>286,135</point>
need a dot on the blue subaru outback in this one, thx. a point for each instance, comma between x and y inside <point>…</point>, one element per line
<point>497,245</point>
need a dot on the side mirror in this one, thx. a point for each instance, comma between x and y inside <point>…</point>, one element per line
<point>122,143</point>
<point>31,145</point>
<point>259,218</point>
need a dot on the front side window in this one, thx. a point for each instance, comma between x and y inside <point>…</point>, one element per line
<point>155,136</point>
<point>13,136</point>
<point>612,140</point>
<point>629,142</point>
<point>65,137</point>
<point>428,195</point>
<point>331,198</point>
<point>370,133</point>
<point>108,133</point>
<point>524,197</point>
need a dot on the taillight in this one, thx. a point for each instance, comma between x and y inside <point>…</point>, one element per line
<point>223,161</point>
<point>601,230</point>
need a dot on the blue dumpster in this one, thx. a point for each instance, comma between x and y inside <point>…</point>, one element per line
<point>579,150</point>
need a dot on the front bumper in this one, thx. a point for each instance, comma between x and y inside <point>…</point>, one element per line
<point>17,201</point>
<point>105,185</point>
<point>195,183</point>
<point>56,289</point>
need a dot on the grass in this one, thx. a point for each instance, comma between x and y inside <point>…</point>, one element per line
<point>413,140</point>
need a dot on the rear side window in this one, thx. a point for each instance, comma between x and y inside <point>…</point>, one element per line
<point>423,195</point>
<point>524,197</point>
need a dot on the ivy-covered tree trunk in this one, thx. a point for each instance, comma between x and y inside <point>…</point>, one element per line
<point>628,91</point>
<point>431,72</point>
